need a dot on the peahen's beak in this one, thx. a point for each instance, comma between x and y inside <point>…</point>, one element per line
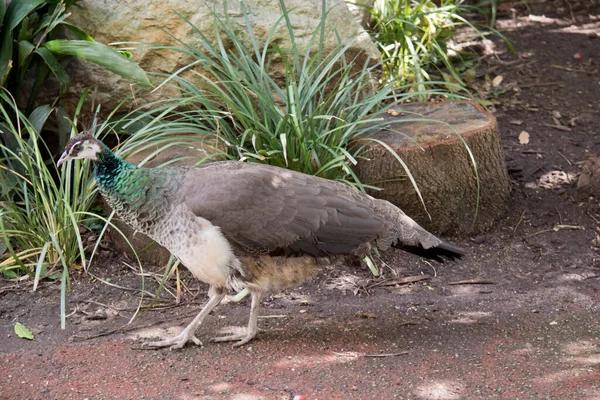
<point>63,159</point>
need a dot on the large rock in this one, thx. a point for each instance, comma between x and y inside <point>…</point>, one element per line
<point>110,21</point>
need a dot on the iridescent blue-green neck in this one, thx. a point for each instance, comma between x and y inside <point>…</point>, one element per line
<point>142,197</point>
<point>109,169</point>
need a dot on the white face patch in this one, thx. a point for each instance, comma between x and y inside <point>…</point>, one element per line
<point>81,148</point>
<point>90,150</point>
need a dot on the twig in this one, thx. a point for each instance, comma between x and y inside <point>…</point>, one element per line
<point>432,267</point>
<point>559,228</point>
<point>105,305</point>
<point>128,328</point>
<point>568,69</point>
<point>532,152</point>
<point>273,316</point>
<point>559,127</point>
<point>559,215</point>
<point>12,288</point>
<point>110,332</point>
<point>121,287</point>
<point>594,218</point>
<point>519,223</point>
<point>566,159</point>
<point>399,281</point>
<point>402,353</point>
<point>473,282</point>
<point>537,84</point>
<point>165,306</point>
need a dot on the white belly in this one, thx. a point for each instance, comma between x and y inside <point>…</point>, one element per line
<point>200,246</point>
<point>209,257</point>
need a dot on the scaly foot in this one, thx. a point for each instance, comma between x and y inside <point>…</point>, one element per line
<point>175,342</point>
<point>242,338</point>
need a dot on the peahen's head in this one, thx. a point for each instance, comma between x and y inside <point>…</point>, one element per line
<point>81,146</point>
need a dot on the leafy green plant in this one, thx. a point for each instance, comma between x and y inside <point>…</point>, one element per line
<point>316,121</point>
<point>41,208</point>
<point>413,36</point>
<point>31,48</point>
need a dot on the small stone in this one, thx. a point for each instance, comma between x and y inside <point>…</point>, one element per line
<point>479,239</point>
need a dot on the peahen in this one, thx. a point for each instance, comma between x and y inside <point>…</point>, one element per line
<point>238,225</point>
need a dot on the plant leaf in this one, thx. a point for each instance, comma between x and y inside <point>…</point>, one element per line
<point>57,70</point>
<point>102,55</point>
<point>17,10</point>
<point>77,33</point>
<point>23,332</point>
<point>39,116</point>
<point>64,126</point>
<point>2,12</point>
<point>25,49</point>
<point>10,274</point>
<point>6,134</point>
<point>6,49</point>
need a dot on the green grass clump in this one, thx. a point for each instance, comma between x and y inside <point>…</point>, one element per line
<point>307,121</point>
<point>413,37</point>
<point>41,208</point>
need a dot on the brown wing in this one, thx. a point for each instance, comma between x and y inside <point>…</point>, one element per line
<point>265,209</point>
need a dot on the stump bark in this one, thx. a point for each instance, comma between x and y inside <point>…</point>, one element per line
<point>425,136</point>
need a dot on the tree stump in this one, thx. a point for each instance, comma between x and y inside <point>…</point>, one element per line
<point>425,136</point>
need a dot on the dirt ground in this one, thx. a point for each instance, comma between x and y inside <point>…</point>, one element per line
<point>527,329</point>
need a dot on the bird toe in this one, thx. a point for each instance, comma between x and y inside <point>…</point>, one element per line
<point>176,342</point>
<point>196,341</point>
<point>243,341</point>
<point>228,338</point>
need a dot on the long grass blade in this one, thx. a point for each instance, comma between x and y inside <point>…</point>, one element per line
<point>40,264</point>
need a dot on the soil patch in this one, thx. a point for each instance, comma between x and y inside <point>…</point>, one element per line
<point>522,324</point>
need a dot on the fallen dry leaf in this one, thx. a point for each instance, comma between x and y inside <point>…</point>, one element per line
<point>497,81</point>
<point>524,137</point>
<point>555,179</point>
<point>516,122</point>
<point>556,114</point>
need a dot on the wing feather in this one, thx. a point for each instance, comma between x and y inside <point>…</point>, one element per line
<point>264,209</point>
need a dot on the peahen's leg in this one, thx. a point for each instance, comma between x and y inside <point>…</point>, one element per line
<point>215,296</point>
<point>252,329</point>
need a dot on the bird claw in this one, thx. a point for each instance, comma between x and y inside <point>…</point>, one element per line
<point>239,339</point>
<point>242,341</point>
<point>175,342</point>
